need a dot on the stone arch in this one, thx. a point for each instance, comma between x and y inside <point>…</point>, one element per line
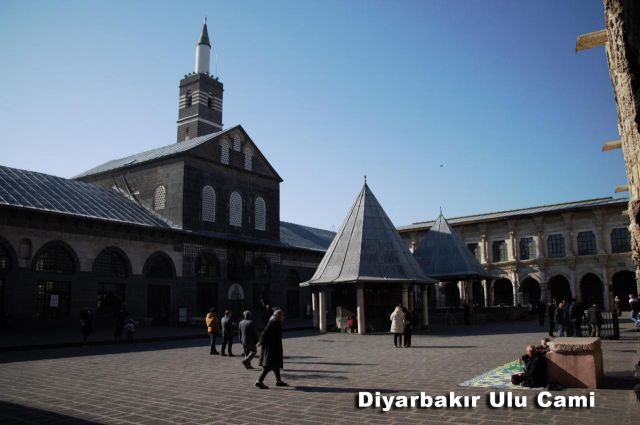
<point>159,265</point>
<point>502,292</point>
<point>531,291</point>
<point>591,289</point>
<point>8,257</point>
<point>624,284</point>
<point>112,262</point>
<point>235,292</point>
<point>559,288</point>
<point>51,256</point>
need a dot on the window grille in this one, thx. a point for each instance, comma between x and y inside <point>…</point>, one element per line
<point>224,151</point>
<point>110,263</point>
<point>52,299</point>
<point>110,296</point>
<point>555,246</point>
<point>55,259</point>
<point>237,142</point>
<point>527,248</point>
<point>620,240</point>
<point>159,198</point>
<point>586,243</point>
<point>261,214</point>
<point>248,158</point>
<point>499,249</point>
<point>208,204</point>
<point>207,265</point>
<point>235,210</point>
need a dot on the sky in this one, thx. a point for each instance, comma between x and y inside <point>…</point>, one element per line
<point>466,105</point>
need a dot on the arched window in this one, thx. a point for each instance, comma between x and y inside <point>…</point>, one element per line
<point>208,204</point>
<point>111,263</point>
<point>159,266</point>
<point>224,151</point>
<point>237,142</point>
<point>620,241</point>
<point>206,265</point>
<point>189,99</point>
<point>235,210</point>
<point>261,214</point>
<point>248,158</point>
<point>159,198</point>
<point>586,243</point>
<point>55,259</point>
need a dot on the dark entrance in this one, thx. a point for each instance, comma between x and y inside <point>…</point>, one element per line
<point>451,295</point>
<point>207,297</point>
<point>560,289</point>
<point>236,300</point>
<point>159,304</point>
<point>478,293</point>
<point>293,294</point>
<point>624,284</point>
<point>591,290</point>
<point>531,292</point>
<point>502,292</point>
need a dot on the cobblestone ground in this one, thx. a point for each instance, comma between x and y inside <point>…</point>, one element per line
<point>178,382</point>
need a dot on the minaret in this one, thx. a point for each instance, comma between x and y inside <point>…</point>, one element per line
<point>203,51</point>
<point>200,103</point>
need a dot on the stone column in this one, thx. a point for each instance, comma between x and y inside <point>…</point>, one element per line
<point>483,250</point>
<point>405,295</point>
<point>605,289</point>
<point>544,294</point>
<point>437,288</point>
<point>314,308</point>
<point>539,246</point>
<point>512,243</point>
<point>485,288</point>
<point>322,306</point>
<point>360,310</point>
<point>573,284</point>
<point>425,306</point>
<point>514,276</point>
<point>461,290</point>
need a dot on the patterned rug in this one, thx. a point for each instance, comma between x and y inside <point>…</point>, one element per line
<point>499,377</point>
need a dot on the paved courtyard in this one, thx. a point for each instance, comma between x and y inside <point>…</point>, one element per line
<point>178,382</point>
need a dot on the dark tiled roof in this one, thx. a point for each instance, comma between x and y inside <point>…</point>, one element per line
<point>444,256</point>
<point>300,236</point>
<point>151,155</point>
<point>501,215</point>
<point>42,192</point>
<point>367,248</point>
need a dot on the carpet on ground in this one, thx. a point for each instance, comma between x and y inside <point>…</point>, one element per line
<point>499,377</point>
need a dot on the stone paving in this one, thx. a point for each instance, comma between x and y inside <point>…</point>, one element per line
<point>177,382</point>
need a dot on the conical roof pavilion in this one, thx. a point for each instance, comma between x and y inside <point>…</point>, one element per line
<point>444,256</point>
<point>367,248</point>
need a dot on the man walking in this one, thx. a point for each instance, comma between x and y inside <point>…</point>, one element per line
<point>248,339</point>
<point>271,355</point>
<point>560,318</point>
<point>227,332</point>
<point>595,319</point>
<point>212,329</point>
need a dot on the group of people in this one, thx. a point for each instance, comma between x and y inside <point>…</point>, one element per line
<point>634,305</point>
<point>535,366</point>
<point>123,323</point>
<point>401,326</point>
<point>270,341</point>
<point>567,318</point>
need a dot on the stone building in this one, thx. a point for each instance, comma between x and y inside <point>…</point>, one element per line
<point>170,231</point>
<point>571,250</point>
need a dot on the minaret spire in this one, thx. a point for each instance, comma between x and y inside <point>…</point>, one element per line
<point>203,51</point>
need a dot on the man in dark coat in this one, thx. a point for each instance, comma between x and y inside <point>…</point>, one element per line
<point>551,310</point>
<point>535,370</point>
<point>227,332</point>
<point>248,338</point>
<point>595,320</point>
<point>561,318</point>
<point>271,355</point>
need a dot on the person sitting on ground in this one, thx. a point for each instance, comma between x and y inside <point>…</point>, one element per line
<point>544,347</point>
<point>535,370</point>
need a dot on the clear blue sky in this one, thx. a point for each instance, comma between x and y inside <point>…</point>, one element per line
<point>474,106</point>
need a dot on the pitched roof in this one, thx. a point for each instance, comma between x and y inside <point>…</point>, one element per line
<point>444,256</point>
<point>367,248</point>
<point>300,236</point>
<point>501,215</point>
<point>43,192</point>
<point>151,155</point>
<point>204,36</point>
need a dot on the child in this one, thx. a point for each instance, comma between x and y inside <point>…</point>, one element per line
<point>352,324</point>
<point>543,348</point>
<point>130,329</point>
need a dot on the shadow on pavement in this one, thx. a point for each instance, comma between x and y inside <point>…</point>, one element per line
<point>11,413</point>
<point>443,346</point>
<point>312,389</point>
<point>337,363</point>
<point>619,381</point>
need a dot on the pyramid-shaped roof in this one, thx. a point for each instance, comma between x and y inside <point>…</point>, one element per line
<point>444,256</point>
<point>367,248</point>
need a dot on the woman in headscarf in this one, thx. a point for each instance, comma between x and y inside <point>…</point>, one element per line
<point>397,326</point>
